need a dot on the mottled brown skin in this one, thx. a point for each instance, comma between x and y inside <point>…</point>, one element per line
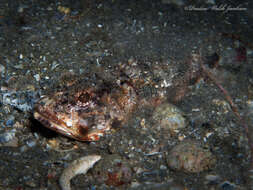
<point>85,114</point>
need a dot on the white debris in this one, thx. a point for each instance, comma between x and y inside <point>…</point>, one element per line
<point>79,166</point>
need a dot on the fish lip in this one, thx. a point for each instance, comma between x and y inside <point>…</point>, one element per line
<point>52,124</point>
<point>63,129</point>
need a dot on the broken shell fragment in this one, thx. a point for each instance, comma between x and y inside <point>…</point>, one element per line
<point>79,166</point>
<point>169,117</point>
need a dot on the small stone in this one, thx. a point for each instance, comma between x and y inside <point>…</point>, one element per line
<point>37,77</point>
<point>64,10</point>
<point>23,148</point>
<point>2,70</point>
<point>9,122</point>
<point>181,137</point>
<point>143,121</point>
<point>30,87</point>
<point>189,156</point>
<point>212,179</point>
<point>19,66</point>
<point>226,185</point>
<point>163,167</point>
<point>31,143</point>
<point>7,136</point>
<point>49,8</point>
<point>53,144</point>
<point>21,9</point>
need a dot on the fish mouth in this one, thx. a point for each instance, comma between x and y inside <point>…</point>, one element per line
<point>61,127</point>
<point>56,125</point>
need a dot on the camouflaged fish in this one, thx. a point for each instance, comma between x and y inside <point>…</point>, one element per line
<point>86,113</point>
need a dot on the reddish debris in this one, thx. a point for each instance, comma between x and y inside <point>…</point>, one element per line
<point>241,54</point>
<point>119,176</point>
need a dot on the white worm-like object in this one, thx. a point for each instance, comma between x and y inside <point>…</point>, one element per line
<point>79,166</point>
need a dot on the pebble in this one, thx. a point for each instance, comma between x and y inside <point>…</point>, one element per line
<point>189,156</point>
<point>169,117</point>
<point>23,148</point>
<point>19,66</point>
<point>226,185</point>
<point>2,70</point>
<point>65,10</point>
<point>10,122</point>
<point>212,179</point>
<point>31,143</point>
<point>79,166</point>
<point>37,77</point>
<point>7,136</point>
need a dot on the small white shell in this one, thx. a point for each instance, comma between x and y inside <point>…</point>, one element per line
<point>79,166</point>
